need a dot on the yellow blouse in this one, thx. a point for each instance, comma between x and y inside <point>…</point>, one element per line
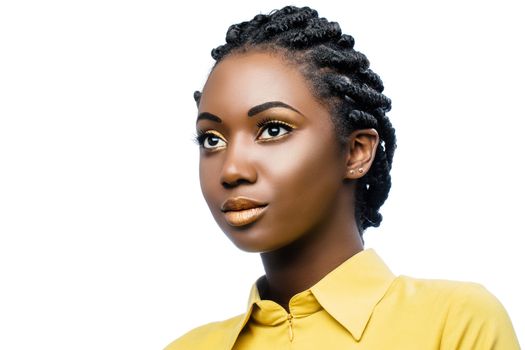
<point>362,305</point>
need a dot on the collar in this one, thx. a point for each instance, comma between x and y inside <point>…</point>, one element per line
<point>349,293</point>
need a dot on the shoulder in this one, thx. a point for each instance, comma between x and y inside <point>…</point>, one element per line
<point>436,288</point>
<point>473,299</point>
<point>456,294</point>
<point>438,297</point>
<point>472,317</point>
<point>208,336</point>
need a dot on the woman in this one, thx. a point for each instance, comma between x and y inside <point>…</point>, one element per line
<point>296,151</point>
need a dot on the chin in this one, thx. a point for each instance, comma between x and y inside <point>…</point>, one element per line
<point>248,245</point>
<point>256,245</point>
<point>254,237</point>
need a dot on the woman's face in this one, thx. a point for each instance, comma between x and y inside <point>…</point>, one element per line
<point>265,138</point>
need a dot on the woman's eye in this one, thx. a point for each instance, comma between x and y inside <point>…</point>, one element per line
<point>211,141</point>
<point>274,129</point>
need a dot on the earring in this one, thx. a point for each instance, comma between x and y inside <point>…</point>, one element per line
<point>352,171</point>
<point>360,170</point>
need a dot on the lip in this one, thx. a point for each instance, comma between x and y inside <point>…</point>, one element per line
<point>241,211</point>
<point>240,203</point>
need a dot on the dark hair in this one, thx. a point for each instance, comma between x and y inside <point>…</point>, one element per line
<point>340,79</point>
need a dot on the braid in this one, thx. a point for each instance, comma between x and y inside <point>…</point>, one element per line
<point>340,78</point>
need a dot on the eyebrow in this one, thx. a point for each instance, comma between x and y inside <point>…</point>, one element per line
<point>209,116</point>
<point>267,105</point>
<point>251,112</point>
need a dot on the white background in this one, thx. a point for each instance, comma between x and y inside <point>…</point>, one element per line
<point>105,239</point>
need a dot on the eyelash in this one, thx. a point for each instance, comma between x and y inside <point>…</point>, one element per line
<point>269,121</point>
<point>201,135</point>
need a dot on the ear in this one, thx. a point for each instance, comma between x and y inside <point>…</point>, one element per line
<point>360,152</point>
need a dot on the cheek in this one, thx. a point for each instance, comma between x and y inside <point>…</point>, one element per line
<point>306,177</point>
<point>207,178</point>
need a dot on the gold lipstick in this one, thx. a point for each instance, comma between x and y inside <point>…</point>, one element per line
<point>241,211</point>
<point>243,217</point>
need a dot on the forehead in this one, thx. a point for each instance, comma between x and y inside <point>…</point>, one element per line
<point>243,80</point>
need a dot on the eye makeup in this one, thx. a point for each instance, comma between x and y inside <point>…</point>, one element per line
<point>262,124</point>
<point>201,136</point>
<point>265,121</point>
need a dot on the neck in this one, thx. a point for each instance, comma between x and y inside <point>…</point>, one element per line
<point>300,265</point>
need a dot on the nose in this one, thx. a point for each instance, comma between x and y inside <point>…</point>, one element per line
<point>238,166</point>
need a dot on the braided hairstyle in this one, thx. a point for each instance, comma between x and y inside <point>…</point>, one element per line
<point>340,79</point>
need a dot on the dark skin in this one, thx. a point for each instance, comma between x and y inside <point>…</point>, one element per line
<point>294,164</point>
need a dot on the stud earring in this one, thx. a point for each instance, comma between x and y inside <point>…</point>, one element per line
<point>360,170</point>
<point>352,171</point>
